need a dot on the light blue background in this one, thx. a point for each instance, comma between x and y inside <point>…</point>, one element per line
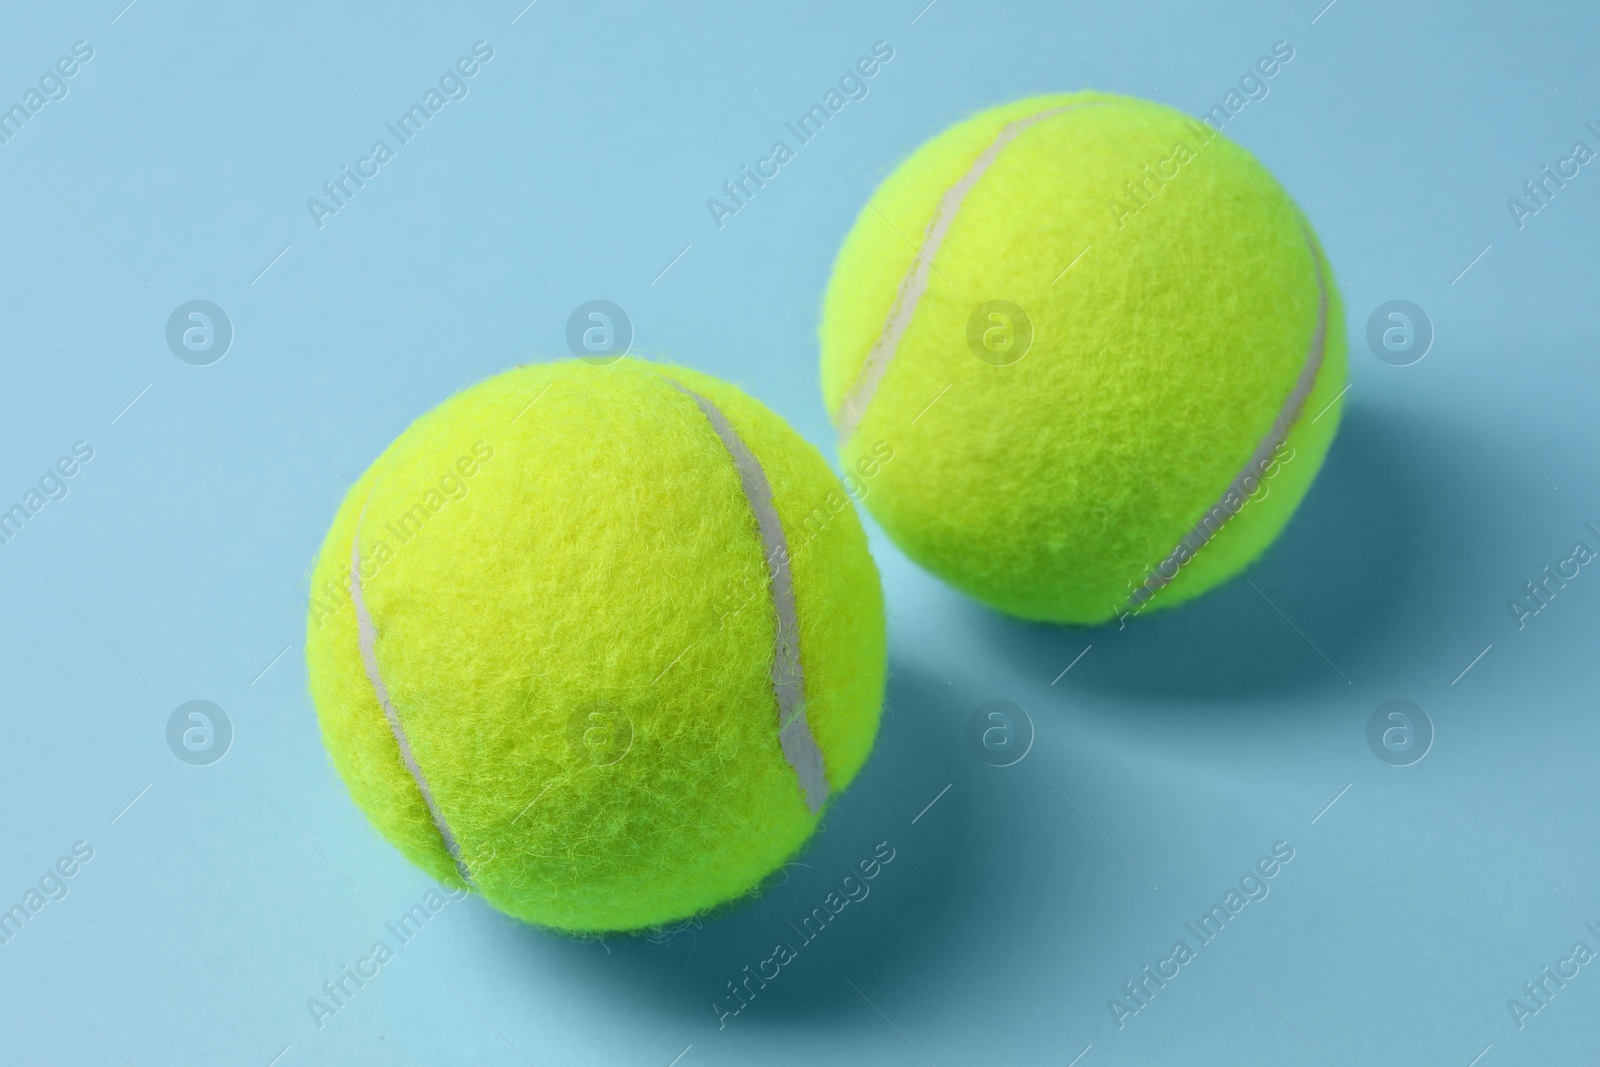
<point>178,167</point>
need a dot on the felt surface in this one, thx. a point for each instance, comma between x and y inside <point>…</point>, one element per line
<point>575,626</point>
<point>1173,300</point>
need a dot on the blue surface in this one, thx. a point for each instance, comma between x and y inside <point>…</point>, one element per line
<point>1171,757</point>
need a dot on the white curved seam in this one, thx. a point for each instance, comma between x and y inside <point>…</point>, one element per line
<point>1211,522</point>
<point>915,281</point>
<point>367,637</point>
<point>799,744</point>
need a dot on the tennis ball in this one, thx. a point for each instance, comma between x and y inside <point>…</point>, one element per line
<point>1102,345</point>
<point>598,642</point>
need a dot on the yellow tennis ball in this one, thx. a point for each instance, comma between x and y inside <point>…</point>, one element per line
<point>598,642</point>
<point>1102,345</point>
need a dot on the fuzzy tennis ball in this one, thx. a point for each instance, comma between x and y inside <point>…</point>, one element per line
<point>598,642</point>
<point>1103,347</point>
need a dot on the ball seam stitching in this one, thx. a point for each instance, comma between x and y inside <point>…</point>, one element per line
<point>367,639</point>
<point>795,738</point>
<point>1214,517</point>
<point>914,283</point>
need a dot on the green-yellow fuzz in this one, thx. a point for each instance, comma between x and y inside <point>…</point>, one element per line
<point>1172,289</point>
<point>574,624</point>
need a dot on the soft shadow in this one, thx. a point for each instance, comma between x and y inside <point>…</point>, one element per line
<point>1313,610</point>
<point>680,973</point>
